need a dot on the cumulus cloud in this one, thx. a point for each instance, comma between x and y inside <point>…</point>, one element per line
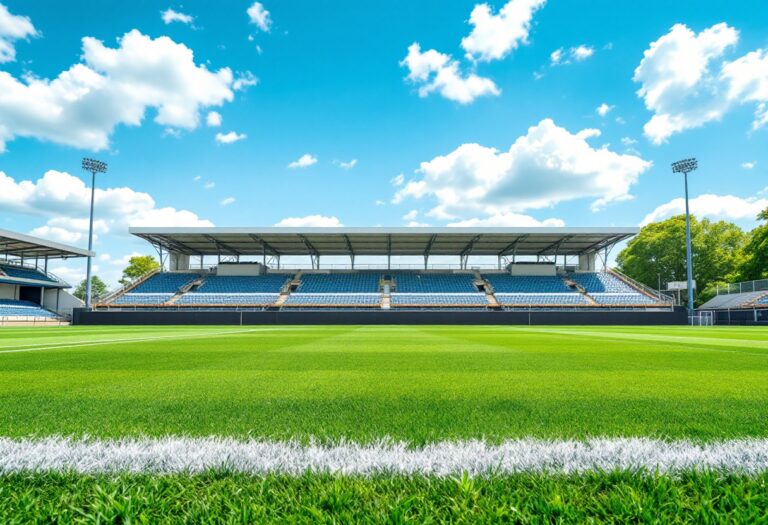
<point>437,72</point>
<point>213,119</point>
<point>546,166</point>
<point>304,161</point>
<point>169,16</point>
<point>244,80</point>
<point>562,56</point>
<point>713,206</point>
<point>260,16</point>
<point>227,201</point>
<point>12,28</point>
<point>749,165</point>
<point>508,219</point>
<point>310,221</point>
<point>63,200</point>
<point>230,137</point>
<point>603,109</point>
<point>686,82</point>
<point>494,36</point>
<point>112,86</point>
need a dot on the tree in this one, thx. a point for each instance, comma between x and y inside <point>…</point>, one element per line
<point>138,265</point>
<point>755,262</point>
<point>659,252</point>
<point>98,288</point>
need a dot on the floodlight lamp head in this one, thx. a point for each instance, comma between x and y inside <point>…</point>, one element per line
<point>685,165</point>
<point>94,166</point>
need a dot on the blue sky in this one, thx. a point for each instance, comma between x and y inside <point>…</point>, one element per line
<point>493,119</point>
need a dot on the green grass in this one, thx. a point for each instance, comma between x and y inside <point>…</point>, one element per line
<point>603,498</point>
<point>418,384</point>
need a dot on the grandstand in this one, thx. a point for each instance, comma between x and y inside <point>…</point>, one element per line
<point>29,292</point>
<point>541,269</point>
<point>744,303</point>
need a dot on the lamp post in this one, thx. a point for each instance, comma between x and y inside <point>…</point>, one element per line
<point>93,167</point>
<point>686,166</point>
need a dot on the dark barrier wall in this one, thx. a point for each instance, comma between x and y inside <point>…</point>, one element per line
<point>84,317</point>
<point>743,316</point>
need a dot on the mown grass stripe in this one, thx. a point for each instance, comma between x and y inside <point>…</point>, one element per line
<point>173,455</point>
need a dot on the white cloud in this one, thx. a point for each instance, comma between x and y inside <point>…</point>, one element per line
<point>437,72</point>
<point>260,16</point>
<point>12,28</point>
<point>82,106</point>
<point>562,56</point>
<point>197,178</point>
<point>346,165</point>
<point>304,161</point>
<point>417,224</point>
<point>213,119</point>
<point>227,201</point>
<point>628,141</point>
<point>169,16</point>
<point>494,36</point>
<point>603,109</point>
<point>320,221</point>
<point>686,82</point>
<point>712,206</point>
<point>230,137</point>
<point>582,52</point>
<point>411,215</point>
<point>209,185</point>
<point>749,165</point>
<point>63,200</point>
<point>508,219</point>
<point>244,81</point>
<point>379,202</point>
<point>398,181</point>
<point>546,166</point>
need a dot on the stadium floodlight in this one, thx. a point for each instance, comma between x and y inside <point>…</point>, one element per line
<point>686,166</point>
<point>92,166</point>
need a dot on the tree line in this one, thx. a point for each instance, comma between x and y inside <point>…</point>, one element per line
<point>722,253</point>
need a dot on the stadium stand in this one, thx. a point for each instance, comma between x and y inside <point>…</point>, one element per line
<point>218,284</point>
<point>217,299</point>
<point>433,283</point>
<point>12,308</point>
<point>438,299</point>
<point>626,299</point>
<point>169,282</point>
<point>601,282</point>
<point>143,299</point>
<point>762,300</point>
<point>333,299</point>
<point>542,299</point>
<point>20,272</point>
<point>336,283</point>
<point>505,283</point>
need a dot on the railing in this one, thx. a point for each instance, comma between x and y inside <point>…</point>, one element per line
<point>110,296</point>
<point>666,298</point>
<point>47,273</point>
<point>383,267</point>
<point>760,285</point>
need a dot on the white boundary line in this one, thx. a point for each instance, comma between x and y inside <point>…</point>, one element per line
<point>195,455</point>
<point>74,344</point>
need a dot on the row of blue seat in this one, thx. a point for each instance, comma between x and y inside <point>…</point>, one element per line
<point>23,273</point>
<point>555,299</point>
<point>13,308</point>
<point>438,299</point>
<point>227,299</point>
<point>328,299</point>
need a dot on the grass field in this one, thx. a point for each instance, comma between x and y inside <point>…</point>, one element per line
<point>417,384</point>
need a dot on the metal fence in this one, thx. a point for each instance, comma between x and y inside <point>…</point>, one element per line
<point>760,285</point>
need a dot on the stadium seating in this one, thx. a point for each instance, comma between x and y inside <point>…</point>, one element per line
<point>12,308</point>
<point>167,282</point>
<point>143,298</point>
<point>235,284</point>
<point>330,283</point>
<point>333,299</point>
<point>24,273</point>
<point>548,299</point>
<point>762,300</point>
<point>601,282</point>
<point>432,283</point>
<point>625,299</point>
<point>228,298</point>
<point>438,299</point>
<point>505,283</point>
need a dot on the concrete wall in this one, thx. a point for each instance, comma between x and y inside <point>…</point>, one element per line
<point>61,301</point>
<point>547,269</point>
<point>240,269</point>
<point>9,291</point>
<point>379,317</point>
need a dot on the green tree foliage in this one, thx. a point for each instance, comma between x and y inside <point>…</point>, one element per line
<point>755,262</point>
<point>138,265</point>
<point>98,288</point>
<point>659,251</point>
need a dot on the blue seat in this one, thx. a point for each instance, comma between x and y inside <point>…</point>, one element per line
<point>339,283</point>
<point>228,298</point>
<point>438,299</point>
<point>600,282</point>
<point>143,298</point>
<point>414,282</point>
<point>543,299</point>
<point>506,283</point>
<point>24,273</point>
<point>13,308</point>
<point>331,299</point>
<point>166,282</point>
<point>625,299</point>
<point>223,284</point>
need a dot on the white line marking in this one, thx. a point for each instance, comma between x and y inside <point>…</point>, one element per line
<point>194,455</point>
<point>56,346</point>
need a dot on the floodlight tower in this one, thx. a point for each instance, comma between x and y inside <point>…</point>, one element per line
<point>93,167</point>
<point>686,166</point>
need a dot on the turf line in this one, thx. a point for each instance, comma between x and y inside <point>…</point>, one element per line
<point>56,346</point>
<point>198,455</point>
